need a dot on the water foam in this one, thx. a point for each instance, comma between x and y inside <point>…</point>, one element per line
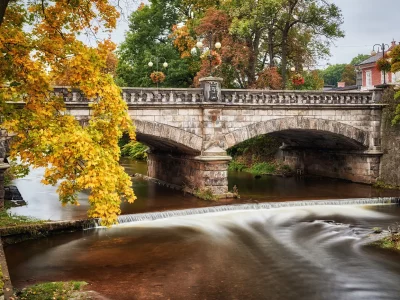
<point>132,218</point>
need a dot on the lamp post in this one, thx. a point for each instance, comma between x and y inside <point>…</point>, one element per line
<point>157,60</point>
<point>217,46</point>
<point>383,47</point>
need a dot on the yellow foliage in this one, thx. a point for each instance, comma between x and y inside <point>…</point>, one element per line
<point>30,61</point>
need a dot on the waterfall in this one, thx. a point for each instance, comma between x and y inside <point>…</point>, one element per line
<point>256,206</point>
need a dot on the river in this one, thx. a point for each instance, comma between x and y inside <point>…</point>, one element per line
<point>43,200</point>
<point>315,252</point>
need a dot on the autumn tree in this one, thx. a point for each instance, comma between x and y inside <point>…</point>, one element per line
<point>349,75</point>
<point>39,46</point>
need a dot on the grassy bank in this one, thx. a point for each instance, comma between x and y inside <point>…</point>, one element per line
<point>54,290</point>
<point>258,156</point>
<point>261,168</point>
<point>9,220</point>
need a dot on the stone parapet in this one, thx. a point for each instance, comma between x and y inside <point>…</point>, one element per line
<point>143,96</point>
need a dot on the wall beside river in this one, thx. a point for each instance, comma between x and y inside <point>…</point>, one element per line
<point>390,161</point>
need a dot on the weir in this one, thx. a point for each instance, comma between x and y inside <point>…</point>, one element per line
<point>189,130</point>
<point>122,219</point>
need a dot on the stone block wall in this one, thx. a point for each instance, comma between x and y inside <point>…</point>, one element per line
<point>390,162</point>
<point>356,167</point>
<point>192,172</point>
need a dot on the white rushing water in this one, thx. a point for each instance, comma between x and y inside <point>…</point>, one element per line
<point>259,206</point>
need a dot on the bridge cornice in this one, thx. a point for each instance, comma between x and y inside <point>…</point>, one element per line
<point>84,105</point>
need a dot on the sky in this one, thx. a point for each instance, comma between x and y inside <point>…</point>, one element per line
<point>366,23</point>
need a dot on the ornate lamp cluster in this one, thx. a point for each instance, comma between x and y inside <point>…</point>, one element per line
<point>157,76</point>
<point>217,46</point>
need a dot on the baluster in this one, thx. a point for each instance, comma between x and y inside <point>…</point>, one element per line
<point>133,94</point>
<point>234,98</point>
<point>240,97</point>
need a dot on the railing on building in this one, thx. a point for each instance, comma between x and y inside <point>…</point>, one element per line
<point>137,96</point>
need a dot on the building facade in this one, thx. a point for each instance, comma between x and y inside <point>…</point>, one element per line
<point>369,76</point>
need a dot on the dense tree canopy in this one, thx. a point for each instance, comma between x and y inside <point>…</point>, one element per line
<point>256,36</point>
<point>39,46</point>
<point>149,39</point>
<point>333,74</point>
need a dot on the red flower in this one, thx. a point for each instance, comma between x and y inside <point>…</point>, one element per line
<point>297,80</point>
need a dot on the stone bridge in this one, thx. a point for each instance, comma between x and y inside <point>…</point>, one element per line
<point>334,134</point>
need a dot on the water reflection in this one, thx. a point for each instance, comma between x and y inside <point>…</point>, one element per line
<point>291,253</point>
<point>43,200</point>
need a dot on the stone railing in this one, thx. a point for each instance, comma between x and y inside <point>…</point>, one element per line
<point>231,96</point>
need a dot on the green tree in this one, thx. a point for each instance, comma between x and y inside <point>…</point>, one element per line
<point>254,35</point>
<point>333,74</point>
<point>148,37</point>
<point>359,59</point>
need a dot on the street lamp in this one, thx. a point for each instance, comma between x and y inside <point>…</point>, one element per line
<point>217,46</point>
<point>383,47</point>
<point>157,59</point>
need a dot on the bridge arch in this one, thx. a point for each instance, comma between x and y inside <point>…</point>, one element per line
<point>304,132</point>
<point>166,138</point>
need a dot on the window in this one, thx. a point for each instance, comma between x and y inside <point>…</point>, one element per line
<point>368,78</point>
<point>396,77</point>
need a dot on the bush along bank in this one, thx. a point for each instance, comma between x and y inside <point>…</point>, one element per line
<point>132,149</point>
<point>258,157</point>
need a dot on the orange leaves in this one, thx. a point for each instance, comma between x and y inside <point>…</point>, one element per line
<point>77,158</point>
<point>182,40</point>
<point>269,78</point>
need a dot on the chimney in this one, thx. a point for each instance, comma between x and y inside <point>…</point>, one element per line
<point>394,43</point>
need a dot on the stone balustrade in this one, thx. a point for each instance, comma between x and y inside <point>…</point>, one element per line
<point>137,96</point>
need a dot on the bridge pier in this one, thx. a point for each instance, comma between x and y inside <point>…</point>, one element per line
<point>356,166</point>
<point>191,172</point>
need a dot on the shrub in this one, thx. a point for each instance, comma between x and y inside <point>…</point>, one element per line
<point>205,194</point>
<point>134,150</point>
<point>262,169</point>
<point>236,166</point>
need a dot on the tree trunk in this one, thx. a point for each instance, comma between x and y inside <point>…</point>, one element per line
<point>3,7</point>
<point>285,35</point>
<point>271,48</point>
<point>254,46</point>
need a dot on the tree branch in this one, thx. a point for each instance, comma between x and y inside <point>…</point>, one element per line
<point>3,8</point>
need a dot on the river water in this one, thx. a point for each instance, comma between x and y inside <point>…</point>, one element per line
<point>290,253</point>
<point>43,200</point>
<point>315,252</point>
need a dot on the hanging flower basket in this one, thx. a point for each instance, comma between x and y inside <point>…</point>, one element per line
<point>383,65</point>
<point>297,80</point>
<point>157,77</point>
